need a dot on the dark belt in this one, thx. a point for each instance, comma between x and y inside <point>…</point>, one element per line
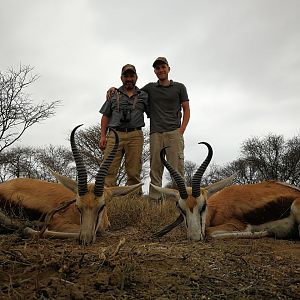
<point>127,129</point>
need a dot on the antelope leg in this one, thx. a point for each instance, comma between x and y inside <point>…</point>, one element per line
<point>51,213</point>
<point>49,234</point>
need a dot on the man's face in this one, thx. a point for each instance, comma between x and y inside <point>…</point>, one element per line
<point>162,70</point>
<point>129,80</point>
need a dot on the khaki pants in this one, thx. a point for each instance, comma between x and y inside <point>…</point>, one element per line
<point>131,145</point>
<point>174,155</point>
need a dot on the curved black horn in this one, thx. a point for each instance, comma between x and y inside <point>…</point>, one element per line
<point>99,182</point>
<point>199,173</point>
<point>176,176</point>
<point>80,168</point>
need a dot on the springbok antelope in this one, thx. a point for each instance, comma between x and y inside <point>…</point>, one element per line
<point>86,212</point>
<point>269,208</point>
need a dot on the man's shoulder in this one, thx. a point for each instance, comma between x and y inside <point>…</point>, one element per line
<point>149,86</point>
<point>176,83</point>
<point>151,83</point>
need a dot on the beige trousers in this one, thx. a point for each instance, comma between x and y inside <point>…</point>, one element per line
<point>174,155</point>
<point>131,145</point>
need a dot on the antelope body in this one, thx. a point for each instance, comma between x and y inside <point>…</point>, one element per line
<point>268,208</point>
<point>255,210</point>
<point>84,217</point>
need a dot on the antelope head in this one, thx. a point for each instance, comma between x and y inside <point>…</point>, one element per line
<point>191,201</point>
<point>91,198</point>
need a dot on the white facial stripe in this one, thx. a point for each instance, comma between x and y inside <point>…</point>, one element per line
<point>194,218</point>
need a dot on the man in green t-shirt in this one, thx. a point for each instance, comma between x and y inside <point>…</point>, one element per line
<point>169,117</point>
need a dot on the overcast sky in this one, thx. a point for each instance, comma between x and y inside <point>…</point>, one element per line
<point>239,59</point>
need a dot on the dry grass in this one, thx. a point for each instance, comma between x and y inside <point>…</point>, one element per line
<point>139,211</point>
<point>128,263</point>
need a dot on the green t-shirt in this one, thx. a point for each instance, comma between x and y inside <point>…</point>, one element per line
<point>165,105</point>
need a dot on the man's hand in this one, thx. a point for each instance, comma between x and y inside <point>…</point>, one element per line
<point>110,92</point>
<point>102,142</point>
<point>181,130</point>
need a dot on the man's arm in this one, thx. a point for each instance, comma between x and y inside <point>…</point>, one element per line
<point>186,116</point>
<point>104,122</point>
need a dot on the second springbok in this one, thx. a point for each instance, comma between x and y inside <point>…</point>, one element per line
<point>268,208</point>
<point>82,206</point>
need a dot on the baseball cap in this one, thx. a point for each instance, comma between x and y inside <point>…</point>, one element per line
<point>160,60</point>
<point>128,67</point>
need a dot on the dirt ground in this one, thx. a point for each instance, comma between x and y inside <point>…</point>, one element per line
<point>127,262</point>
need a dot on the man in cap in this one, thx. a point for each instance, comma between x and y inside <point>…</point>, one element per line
<point>124,112</point>
<point>169,117</point>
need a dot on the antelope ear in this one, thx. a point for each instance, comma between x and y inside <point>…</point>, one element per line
<point>217,186</point>
<point>166,191</point>
<point>123,190</point>
<point>66,181</point>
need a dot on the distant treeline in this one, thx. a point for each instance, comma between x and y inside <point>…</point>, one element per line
<point>261,158</point>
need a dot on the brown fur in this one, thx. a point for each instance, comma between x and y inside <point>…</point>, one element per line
<point>234,207</point>
<point>191,203</point>
<point>42,197</point>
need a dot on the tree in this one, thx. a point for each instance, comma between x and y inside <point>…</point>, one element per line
<point>58,158</point>
<point>267,158</point>
<point>17,110</point>
<point>190,169</point>
<point>212,174</point>
<point>270,157</point>
<point>246,173</point>
<point>16,162</point>
<point>35,162</point>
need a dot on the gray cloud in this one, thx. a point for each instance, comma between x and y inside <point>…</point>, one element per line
<point>239,61</point>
